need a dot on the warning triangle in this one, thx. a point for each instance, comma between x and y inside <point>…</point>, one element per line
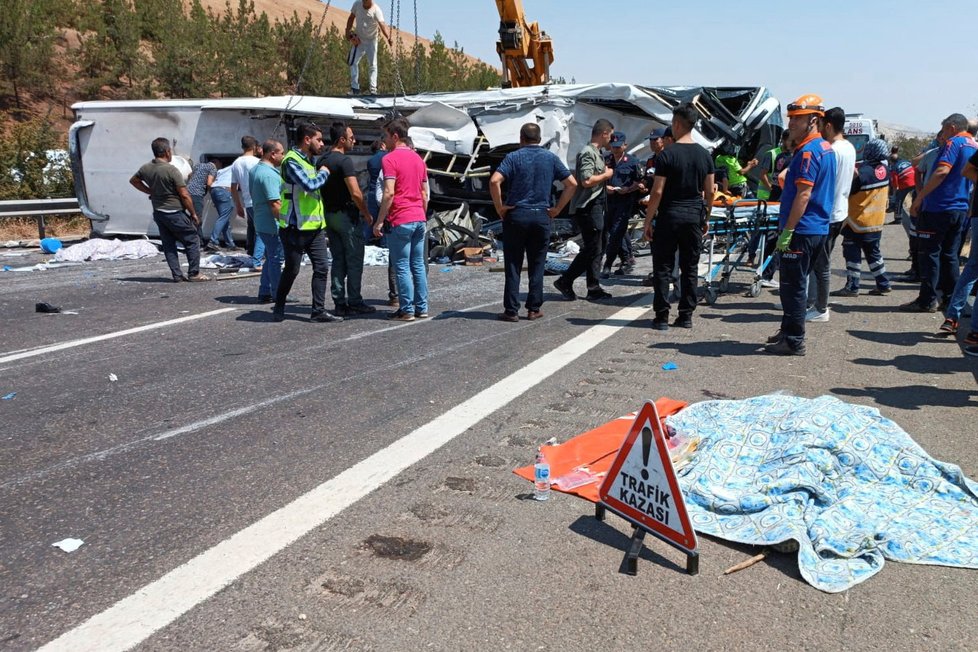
<point>641,484</point>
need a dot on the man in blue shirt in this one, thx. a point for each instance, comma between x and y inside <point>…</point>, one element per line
<point>265,184</point>
<point>806,204</point>
<point>530,173</point>
<point>941,207</point>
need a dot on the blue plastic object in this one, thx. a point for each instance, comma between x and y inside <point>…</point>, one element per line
<point>50,245</point>
<point>670,366</point>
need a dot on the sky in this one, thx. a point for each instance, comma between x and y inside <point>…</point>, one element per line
<point>866,56</point>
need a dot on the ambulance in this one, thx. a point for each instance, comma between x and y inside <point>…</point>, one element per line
<point>859,130</point>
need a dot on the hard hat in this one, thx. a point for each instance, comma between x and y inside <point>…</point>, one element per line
<point>807,105</point>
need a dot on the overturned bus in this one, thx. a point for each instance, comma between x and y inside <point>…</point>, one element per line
<point>462,136</point>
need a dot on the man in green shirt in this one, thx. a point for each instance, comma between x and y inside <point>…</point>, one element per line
<point>173,210</point>
<point>736,182</point>
<point>588,208</point>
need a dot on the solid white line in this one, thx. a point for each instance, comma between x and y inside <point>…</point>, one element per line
<point>44,350</point>
<point>135,618</point>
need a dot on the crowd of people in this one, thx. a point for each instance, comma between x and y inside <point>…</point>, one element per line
<point>307,200</point>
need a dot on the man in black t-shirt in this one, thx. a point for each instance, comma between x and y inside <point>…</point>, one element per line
<point>677,215</point>
<point>344,208</point>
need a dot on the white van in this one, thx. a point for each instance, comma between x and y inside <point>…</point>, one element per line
<point>859,130</point>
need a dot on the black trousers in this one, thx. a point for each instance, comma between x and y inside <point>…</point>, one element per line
<point>295,243</point>
<point>526,234</point>
<point>796,264</point>
<point>667,238</point>
<point>590,221</point>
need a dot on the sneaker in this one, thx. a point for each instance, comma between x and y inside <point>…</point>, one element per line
<point>844,292</point>
<point>325,316</point>
<point>913,306</point>
<point>598,295</point>
<point>879,292</point>
<point>354,92</point>
<point>621,271</point>
<point>400,315</point>
<point>198,278</point>
<point>783,348</point>
<point>360,309</point>
<point>971,339</point>
<point>606,273</point>
<point>950,326</point>
<point>660,323</point>
<point>769,283</point>
<point>211,249</point>
<point>420,314</point>
<point>971,350</point>
<point>278,316</point>
<point>180,279</point>
<point>508,316</point>
<point>393,302</point>
<point>683,321</point>
<point>533,315</point>
<point>565,290</point>
<point>817,316</point>
<point>774,339</point>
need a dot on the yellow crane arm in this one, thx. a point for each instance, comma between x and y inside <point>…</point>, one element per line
<point>521,43</point>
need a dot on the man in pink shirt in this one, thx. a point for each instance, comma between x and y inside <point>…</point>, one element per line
<point>404,209</point>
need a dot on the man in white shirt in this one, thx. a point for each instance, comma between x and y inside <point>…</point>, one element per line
<point>369,23</point>
<point>241,193</point>
<point>833,128</point>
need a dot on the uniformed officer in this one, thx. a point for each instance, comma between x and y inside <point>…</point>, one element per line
<point>624,188</point>
<point>302,221</point>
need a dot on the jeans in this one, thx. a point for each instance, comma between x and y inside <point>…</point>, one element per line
<point>271,271</point>
<point>368,49</point>
<point>346,244</point>
<point>796,265</point>
<point>225,209</point>
<point>899,212</point>
<point>294,244</point>
<point>407,258</point>
<point>854,247</point>
<point>822,270</point>
<point>619,212</point>
<point>198,201</point>
<point>966,281</point>
<point>588,260</point>
<point>178,227</point>
<point>526,233</point>
<point>668,238</point>
<point>938,237</point>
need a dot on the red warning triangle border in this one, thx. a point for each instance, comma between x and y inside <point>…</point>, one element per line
<point>686,538</point>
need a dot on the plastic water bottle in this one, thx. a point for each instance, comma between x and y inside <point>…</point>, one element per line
<point>541,477</point>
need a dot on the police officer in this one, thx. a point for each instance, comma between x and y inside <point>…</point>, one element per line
<point>624,189</point>
<point>302,221</point>
<point>806,204</point>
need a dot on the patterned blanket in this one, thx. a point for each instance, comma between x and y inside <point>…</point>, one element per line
<point>851,487</point>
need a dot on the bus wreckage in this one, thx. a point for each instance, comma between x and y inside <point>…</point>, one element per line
<point>462,136</point>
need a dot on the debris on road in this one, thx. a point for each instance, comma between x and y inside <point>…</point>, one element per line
<point>9,397</point>
<point>670,366</point>
<point>68,545</point>
<point>113,378</point>
<point>746,564</point>
<point>46,308</point>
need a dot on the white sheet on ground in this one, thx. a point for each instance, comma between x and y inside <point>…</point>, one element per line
<point>101,249</point>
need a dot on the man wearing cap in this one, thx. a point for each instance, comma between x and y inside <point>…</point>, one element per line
<point>623,190</point>
<point>941,208</point>
<point>588,208</point>
<point>806,204</point>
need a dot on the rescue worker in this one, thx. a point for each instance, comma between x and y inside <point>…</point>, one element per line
<point>941,207</point>
<point>806,204</point>
<point>302,221</point>
<point>863,227</point>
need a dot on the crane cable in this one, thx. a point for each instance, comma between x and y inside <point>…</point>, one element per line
<point>395,14</point>
<point>305,64</point>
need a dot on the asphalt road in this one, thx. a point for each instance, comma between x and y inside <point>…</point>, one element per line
<point>219,423</point>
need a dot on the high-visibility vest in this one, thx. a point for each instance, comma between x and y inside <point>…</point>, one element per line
<point>307,206</point>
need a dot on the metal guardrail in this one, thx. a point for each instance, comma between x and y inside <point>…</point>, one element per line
<point>38,209</point>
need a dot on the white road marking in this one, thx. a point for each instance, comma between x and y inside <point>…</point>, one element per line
<point>135,618</point>
<point>44,350</point>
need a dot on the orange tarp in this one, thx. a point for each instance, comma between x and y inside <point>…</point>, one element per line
<point>595,448</point>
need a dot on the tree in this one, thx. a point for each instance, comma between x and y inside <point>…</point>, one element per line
<point>27,34</point>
